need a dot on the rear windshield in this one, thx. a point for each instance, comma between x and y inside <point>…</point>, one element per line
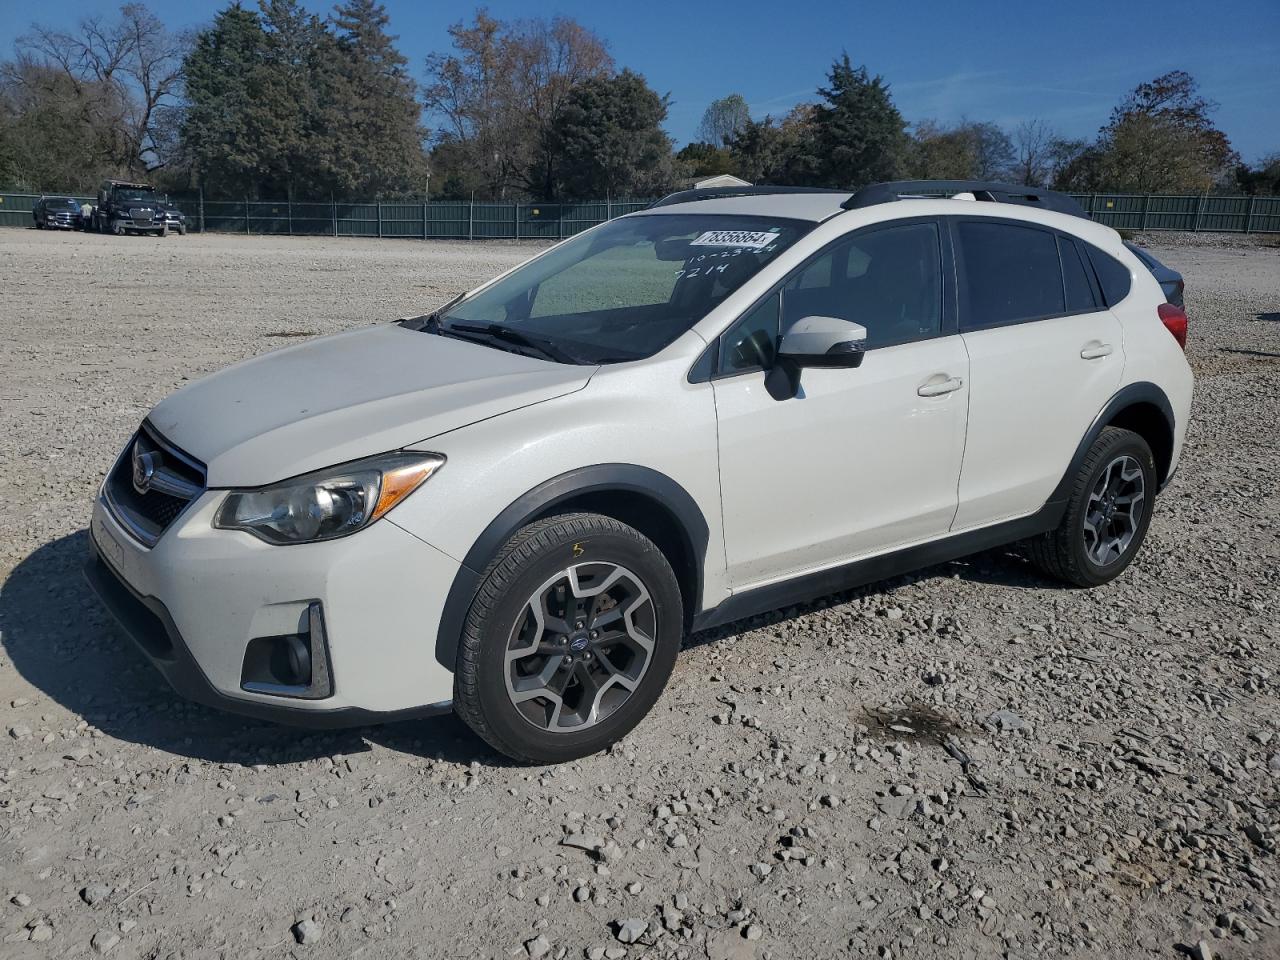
<point>630,287</point>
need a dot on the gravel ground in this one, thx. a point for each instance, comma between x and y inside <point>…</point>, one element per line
<point>966,762</point>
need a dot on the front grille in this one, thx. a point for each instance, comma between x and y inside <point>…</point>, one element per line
<point>170,480</point>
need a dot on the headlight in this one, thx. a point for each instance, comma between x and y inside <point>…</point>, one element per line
<point>328,503</point>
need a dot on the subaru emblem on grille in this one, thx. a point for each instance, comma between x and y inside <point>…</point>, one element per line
<point>144,468</point>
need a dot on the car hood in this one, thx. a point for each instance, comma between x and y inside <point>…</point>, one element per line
<point>347,396</point>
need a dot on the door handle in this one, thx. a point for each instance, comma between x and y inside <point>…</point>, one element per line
<point>936,388</point>
<point>1095,351</point>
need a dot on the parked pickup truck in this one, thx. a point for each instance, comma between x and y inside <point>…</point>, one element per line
<point>55,213</point>
<point>125,207</point>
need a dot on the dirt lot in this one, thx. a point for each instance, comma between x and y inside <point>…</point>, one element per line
<point>792,795</point>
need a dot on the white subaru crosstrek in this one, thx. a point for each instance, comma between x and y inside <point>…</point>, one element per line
<point>517,506</point>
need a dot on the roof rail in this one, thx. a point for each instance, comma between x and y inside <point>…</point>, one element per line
<point>718,193</point>
<point>981,189</point>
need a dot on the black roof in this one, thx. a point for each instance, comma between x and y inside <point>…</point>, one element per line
<point>987,190</point>
<point>718,193</point>
<point>984,190</point>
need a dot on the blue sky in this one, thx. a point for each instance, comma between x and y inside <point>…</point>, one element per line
<point>985,60</point>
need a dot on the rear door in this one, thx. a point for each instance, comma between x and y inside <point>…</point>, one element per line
<point>1045,356</point>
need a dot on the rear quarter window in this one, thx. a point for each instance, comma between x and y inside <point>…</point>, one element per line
<point>1075,278</point>
<point>1113,276</point>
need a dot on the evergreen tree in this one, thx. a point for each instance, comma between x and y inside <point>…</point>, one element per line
<point>222,72</point>
<point>609,142</point>
<point>373,121</point>
<point>860,135</point>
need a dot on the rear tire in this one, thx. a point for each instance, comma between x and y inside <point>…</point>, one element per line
<point>570,639</point>
<point>1107,515</point>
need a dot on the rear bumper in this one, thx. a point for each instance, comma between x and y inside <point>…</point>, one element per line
<point>147,622</point>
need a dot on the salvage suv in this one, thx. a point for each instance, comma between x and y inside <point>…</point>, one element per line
<point>517,506</point>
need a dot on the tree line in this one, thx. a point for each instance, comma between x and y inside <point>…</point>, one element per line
<point>273,101</point>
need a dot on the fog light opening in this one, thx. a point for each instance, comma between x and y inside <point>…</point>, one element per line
<point>292,665</point>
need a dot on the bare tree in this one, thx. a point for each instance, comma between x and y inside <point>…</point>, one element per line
<point>723,120</point>
<point>1034,140</point>
<point>500,93</point>
<point>133,65</point>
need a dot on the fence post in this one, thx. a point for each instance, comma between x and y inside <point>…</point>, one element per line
<point>379,219</point>
<point>515,220</point>
<point>424,219</point>
<point>1146,201</point>
<point>202,208</point>
<point>1248,214</point>
<point>559,221</point>
<point>1195,224</point>
<point>471,219</point>
<point>290,208</point>
<point>246,216</point>
<point>333,212</point>
<point>608,209</point>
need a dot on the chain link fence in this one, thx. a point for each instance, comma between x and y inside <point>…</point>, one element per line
<point>464,220</point>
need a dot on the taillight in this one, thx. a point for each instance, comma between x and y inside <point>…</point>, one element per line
<point>1175,321</point>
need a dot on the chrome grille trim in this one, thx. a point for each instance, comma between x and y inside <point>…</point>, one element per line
<point>172,485</point>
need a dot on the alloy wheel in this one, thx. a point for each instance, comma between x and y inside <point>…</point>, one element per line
<point>1113,511</point>
<point>580,647</point>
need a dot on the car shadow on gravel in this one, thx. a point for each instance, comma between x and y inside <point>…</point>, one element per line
<point>65,644</point>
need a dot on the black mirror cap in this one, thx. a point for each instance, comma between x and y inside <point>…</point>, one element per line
<point>847,354</point>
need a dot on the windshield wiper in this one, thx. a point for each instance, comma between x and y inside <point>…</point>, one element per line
<point>497,331</point>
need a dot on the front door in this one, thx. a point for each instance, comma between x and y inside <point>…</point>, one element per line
<point>861,460</point>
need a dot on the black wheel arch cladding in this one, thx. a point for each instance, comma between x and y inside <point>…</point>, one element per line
<point>674,512</point>
<point>1142,407</point>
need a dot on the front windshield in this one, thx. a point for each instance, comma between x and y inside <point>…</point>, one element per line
<point>61,205</point>
<point>134,193</point>
<point>627,289</point>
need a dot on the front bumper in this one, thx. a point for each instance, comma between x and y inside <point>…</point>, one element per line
<point>194,601</point>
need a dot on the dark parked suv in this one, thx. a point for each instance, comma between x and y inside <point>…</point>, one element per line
<point>125,207</point>
<point>56,213</point>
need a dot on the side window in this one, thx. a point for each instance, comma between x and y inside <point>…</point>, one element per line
<point>751,342</point>
<point>1113,276</point>
<point>887,279</point>
<point>1075,278</point>
<point>1011,274</point>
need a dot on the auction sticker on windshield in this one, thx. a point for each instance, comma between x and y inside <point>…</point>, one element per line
<point>748,239</point>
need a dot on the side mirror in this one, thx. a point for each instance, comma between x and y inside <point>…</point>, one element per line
<point>814,342</point>
<point>824,342</point>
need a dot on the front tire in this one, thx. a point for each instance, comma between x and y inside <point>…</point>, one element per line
<point>570,640</point>
<point>1107,515</point>
<point>117,228</point>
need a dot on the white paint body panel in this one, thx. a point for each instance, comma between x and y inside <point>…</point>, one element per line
<point>382,592</point>
<point>856,463</point>
<point>1031,398</point>
<point>347,396</point>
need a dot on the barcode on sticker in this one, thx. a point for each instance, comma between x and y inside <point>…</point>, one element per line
<point>750,239</point>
